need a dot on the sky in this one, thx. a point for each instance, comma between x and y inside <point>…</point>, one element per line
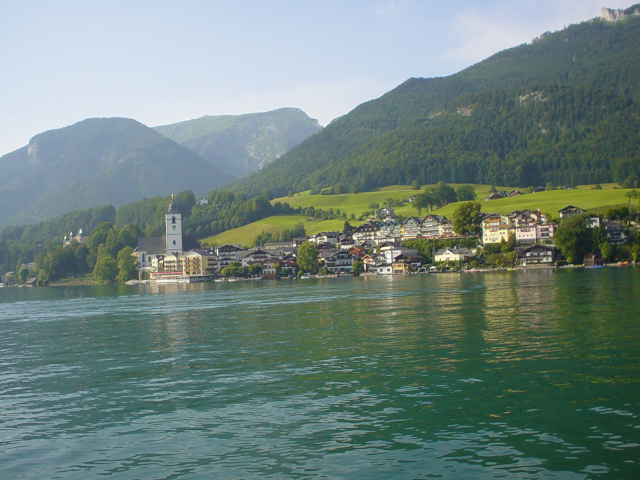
<point>162,62</point>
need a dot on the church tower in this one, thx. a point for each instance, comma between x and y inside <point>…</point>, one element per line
<point>173,225</point>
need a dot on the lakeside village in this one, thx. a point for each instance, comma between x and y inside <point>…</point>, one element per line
<point>378,246</point>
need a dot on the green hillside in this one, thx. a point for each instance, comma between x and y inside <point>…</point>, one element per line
<point>96,162</point>
<point>243,144</point>
<point>548,202</point>
<point>561,109</point>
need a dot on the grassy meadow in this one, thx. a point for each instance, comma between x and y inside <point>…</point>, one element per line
<point>548,202</point>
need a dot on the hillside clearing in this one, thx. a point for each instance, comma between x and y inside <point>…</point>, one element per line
<point>548,202</point>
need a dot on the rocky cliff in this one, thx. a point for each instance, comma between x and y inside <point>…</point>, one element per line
<point>613,15</point>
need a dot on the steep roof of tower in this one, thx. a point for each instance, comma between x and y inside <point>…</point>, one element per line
<point>172,207</point>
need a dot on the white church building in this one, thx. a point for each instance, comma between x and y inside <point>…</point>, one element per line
<point>152,250</point>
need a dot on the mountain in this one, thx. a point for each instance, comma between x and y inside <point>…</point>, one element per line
<point>466,127</point>
<point>96,162</point>
<point>243,144</point>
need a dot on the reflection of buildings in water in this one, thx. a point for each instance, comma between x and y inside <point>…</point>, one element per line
<point>536,296</point>
<point>171,335</point>
<point>518,307</point>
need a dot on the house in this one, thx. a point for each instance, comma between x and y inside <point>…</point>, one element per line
<point>401,265</point>
<point>493,196</point>
<point>435,226</point>
<point>366,232</point>
<point>327,237</point>
<point>615,233</point>
<point>445,228</point>
<point>453,254</point>
<point>528,225</point>
<point>356,251</point>
<point>496,228</point>
<point>81,238</point>
<point>545,231</point>
<point>297,241</point>
<point>569,210</point>
<point>593,221</point>
<point>411,228</point>
<point>346,242</point>
<point>390,230</point>
<point>199,262</point>
<point>337,261</point>
<point>390,254</point>
<point>537,254</point>
<point>277,246</point>
<point>9,278</point>
<point>514,193</point>
<point>382,247</point>
<point>269,268</point>
<point>255,256</point>
<point>384,212</point>
<point>372,261</point>
<point>384,270</point>
<point>227,254</point>
<point>593,260</point>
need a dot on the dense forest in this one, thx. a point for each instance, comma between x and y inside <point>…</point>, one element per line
<point>578,87</point>
<point>222,211</point>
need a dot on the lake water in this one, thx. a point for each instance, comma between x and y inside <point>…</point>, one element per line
<point>532,375</point>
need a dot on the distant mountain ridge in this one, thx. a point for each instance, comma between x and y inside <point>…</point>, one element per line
<point>243,144</point>
<point>379,143</point>
<point>96,162</point>
<point>102,161</point>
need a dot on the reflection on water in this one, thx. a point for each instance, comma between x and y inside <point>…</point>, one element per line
<point>501,375</point>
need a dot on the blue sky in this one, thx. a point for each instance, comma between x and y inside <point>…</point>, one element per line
<point>161,61</point>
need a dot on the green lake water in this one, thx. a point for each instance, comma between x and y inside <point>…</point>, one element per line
<point>510,375</point>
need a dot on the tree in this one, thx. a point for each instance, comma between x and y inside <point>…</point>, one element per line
<point>106,270</point>
<point>415,185</point>
<point>635,252</point>
<point>445,194</point>
<point>357,267</point>
<point>23,274</point>
<point>466,193</point>
<point>466,218</point>
<point>307,257</point>
<point>422,200</point>
<point>573,238</point>
<point>254,270</point>
<point>605,250</point>
<point>127,265</point>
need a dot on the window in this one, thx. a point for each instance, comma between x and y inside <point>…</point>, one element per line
<point>173,220</point>
<point>174,242</point>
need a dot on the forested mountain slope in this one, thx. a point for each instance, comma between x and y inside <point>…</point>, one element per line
<point>596,59</point>
<point>243,144</point>
<point>96,162</point>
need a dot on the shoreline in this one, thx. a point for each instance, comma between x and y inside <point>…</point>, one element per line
<point>87,282</point>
